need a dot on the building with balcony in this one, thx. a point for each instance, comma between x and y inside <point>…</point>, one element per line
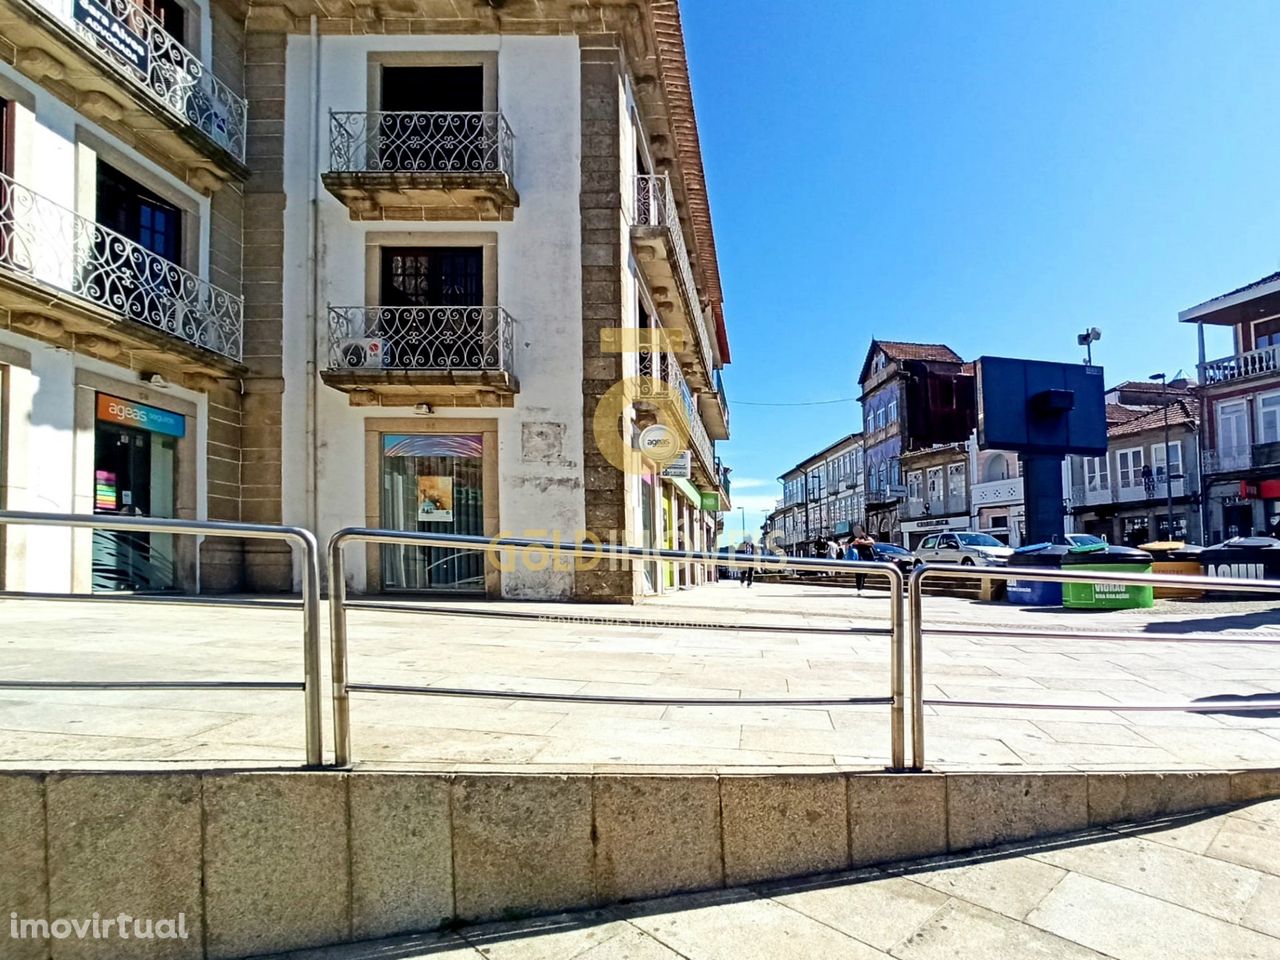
<point>498,270</point>
<point>937,496</point>
<point>128,358</point>
<point>822,498</point>
<point>426,266</point>
<point>1127,496</point>
<point>1239,408</point>
<point>913,396</point>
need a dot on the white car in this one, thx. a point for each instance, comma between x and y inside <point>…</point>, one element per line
<point>965,548</point>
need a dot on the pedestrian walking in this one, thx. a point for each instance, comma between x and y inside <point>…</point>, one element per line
<point>748,552</point>
<point>864,546</point>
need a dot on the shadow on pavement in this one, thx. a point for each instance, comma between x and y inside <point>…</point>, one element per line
<point>1227,699</point>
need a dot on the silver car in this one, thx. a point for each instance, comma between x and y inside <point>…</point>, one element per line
<point>965,548</point>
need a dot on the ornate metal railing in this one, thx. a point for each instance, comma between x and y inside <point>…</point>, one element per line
<point>660,376</point>
<point>418,142</point>
<point>1255,363</point>
<point>656,207</point>
<point>420,338</point>
<point>50,244</point>
<point>171,73</point>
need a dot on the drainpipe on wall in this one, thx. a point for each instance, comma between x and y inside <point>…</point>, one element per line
<point>313,291</point>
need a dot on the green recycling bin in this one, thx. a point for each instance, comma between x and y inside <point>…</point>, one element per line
<point>1107,596</point>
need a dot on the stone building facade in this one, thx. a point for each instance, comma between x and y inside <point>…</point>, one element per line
<point>429,265</point>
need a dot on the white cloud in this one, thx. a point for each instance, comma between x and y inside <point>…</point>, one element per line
<point>748,483</point>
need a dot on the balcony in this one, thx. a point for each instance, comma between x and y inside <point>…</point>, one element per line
<point>117,65</point>
<point>1242,366</point>
<point>995,493</point>
<point>661,379</point>
<point>658,239</point>
<point>1082,496</point>
<point>403,356</point>
<point>1235,459</point>
<point>714,407</point>
<point>918,509</point>
<point>72,282</point>
<point>422,166</point>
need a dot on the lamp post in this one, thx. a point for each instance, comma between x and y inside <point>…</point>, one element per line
<point>1168,474</point>
<point>742,512</point>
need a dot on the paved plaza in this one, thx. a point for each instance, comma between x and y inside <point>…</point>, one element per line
<point>693,644</point>
<point>1187,889</point>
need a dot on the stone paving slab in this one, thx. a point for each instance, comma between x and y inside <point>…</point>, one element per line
<point>1126,893</point>
<point>816,644</point>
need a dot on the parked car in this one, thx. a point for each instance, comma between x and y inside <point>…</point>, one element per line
<point>900,557</point>
<point>966,548</point>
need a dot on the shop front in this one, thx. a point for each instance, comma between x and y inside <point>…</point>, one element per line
<point>135,474</point>
<point>432,483</point>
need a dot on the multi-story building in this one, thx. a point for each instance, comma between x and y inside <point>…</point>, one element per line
<point>429,267</point>
<point>914,395</point>
<point>822,497</point>
<point>1240,411</point>
<point>1128,495</point>
<point>937,492</point>
<point>996,505</point>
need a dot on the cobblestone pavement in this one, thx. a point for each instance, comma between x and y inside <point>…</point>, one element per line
<point>804,640</point>
<point>1187,889</point>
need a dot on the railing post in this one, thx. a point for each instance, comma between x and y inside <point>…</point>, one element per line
<point>897,672</point>
<point>915,592</point>
<point>311,655</point>
<point>338,653</point>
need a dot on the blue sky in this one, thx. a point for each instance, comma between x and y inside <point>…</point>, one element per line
<point>997,176</point>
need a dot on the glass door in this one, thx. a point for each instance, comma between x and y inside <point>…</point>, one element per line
<point>433,484</point>
<point>134,473</point>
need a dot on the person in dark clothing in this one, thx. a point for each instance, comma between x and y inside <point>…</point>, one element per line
<point>865,549</point>
<point>747,552</point>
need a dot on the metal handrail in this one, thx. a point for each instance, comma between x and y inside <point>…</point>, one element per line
<point>915,589</point>
<point>417,141</point>
<point>338,606</point>
<point>45,242</point>
<point>311,655</point>
<point>452,339</point>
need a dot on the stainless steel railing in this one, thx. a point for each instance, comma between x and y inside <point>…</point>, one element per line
<point>311,648</point>
<point>343,686</point>
<point>917,630</point>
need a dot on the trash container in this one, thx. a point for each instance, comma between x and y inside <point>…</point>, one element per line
<point>1255,558</point>
<point>1107,596</point>
<point>1175,557</point>
<point>1036,593</point>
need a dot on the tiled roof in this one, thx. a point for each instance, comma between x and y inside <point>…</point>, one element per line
<point>1149,386</point>
<point>1180,413</point>
<point>1118,413</point>
<point>896,350</point>
<point>1270,278</point>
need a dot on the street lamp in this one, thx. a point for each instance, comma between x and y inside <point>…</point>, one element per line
<point>1168,474</point>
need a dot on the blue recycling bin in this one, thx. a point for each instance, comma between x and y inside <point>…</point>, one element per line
<point>1036,593</point>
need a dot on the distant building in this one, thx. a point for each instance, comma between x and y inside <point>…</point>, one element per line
<point>914,395</point>
<point>822,497</point>
<point>1239,407</point>
<point>1126,495</point>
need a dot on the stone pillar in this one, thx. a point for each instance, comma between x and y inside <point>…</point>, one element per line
<point>268,565</point>
<point>604,238</point>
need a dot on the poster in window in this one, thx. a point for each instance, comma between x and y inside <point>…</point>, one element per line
<point>435,499</point>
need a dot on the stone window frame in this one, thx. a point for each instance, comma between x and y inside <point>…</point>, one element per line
<point>377,59</point>
<point>375,240</point>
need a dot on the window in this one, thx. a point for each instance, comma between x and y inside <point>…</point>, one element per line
<point>893,411</point>
<point>1095,474</point>
<point>1266,333</point>
<point>929,542</point>
<point>935,484</point>
<point>1130,467</point>
<point>915,483</point>
<point>882,477</point>
<point>955,480</point>
<point>1233,428</point>
<point>1175,460</point>
<point>1269,415</point>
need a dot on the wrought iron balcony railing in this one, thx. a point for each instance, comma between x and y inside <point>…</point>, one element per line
<point>1242,366</point>
<point>418,142</point>
<point>660,376</point>
<point>656,207</point>
<point>427,339</point>
<point>153,59</point>
<point>49,244</point>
